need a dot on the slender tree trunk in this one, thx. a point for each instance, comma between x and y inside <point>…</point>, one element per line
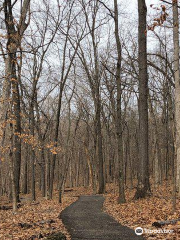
<point>157,157</point>
<point>55,141</point>
<point>32,125</point>
<point>118,111</point>
<point>43,172</point>
<point>12,172</point>
<point>25,174</point>
<point>177,89</point>
<point>17,132</point>
<point>48,175</point>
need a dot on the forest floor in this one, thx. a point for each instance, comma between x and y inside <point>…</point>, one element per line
<point>143,212</point>
<point>37,219</point>
<point>134,213</point>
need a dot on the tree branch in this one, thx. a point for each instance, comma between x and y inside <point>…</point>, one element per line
<point>168,3</point>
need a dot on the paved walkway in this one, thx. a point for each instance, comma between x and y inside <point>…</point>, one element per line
<point>85,220</point>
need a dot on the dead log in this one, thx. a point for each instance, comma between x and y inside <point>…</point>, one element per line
<point>160,224</point>
<point>5,207</point>
<point>25,225</point>
<point>68,190</point>
<point>34,203</point>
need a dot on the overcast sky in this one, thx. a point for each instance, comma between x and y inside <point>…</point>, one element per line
<point>148,2</point>
<point>130,8</point>
<point>133,3</point>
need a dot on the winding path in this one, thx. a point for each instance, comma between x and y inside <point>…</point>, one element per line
<point>85,220</point>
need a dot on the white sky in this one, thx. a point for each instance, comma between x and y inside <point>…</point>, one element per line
<point>133,3</point>
<point>130,6</point>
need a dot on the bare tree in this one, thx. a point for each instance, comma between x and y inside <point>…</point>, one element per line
<point>143,176</point>
<point>177,91</point>
<point>119,128</point>
<point>15,34</point>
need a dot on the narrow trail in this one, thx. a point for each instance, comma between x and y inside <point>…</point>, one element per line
<point>85,220</point>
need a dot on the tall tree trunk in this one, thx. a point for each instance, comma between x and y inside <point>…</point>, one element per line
<point>13,43</point>
<point>17,129</point>
<point>177,89</point>
<point>16,109</point>
<point>99,144</point>
<point>118,111</point>
<point>43,172</point>
<point>143,176</point>
<point>55,141</point>
<point>32,125</point>
<point>47,179</point>
<point>12,172</point>
<point>25,174</point>
<point>157,157</point>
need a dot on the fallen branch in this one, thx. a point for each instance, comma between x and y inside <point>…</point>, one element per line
<point>163,223</point>
<point>25,225</point>
<point>5,208</point>
<point>68,190</point>
<point>34,203</point>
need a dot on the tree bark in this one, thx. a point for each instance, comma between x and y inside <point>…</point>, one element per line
<point>177,88</point>
<point>119,130</point>
<point>32,125</point>
<point>55,141</point>
<point>25,174</point>
<point>143,176</point>
<point>13,43</point>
